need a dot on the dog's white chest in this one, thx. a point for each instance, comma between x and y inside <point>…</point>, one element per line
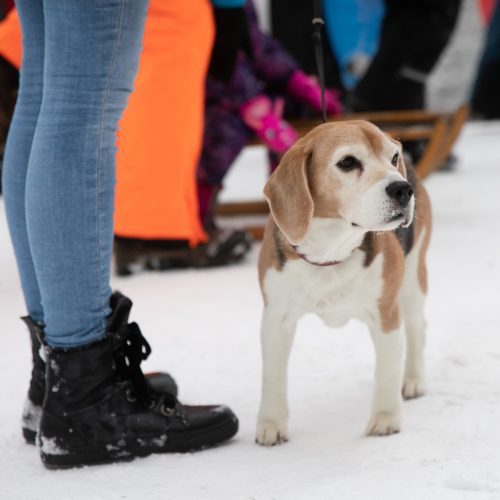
<point>336,294</point>
<point>337,305</point>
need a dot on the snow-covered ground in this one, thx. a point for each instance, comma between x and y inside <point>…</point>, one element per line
<point>204,328</point>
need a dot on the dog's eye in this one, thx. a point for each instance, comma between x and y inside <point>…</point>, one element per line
<point>395,159</point>
<point>349,163</point>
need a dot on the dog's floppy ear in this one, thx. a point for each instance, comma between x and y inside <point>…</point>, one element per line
<point>288,194</point>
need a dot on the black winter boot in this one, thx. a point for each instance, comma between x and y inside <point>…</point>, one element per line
<point>223,248</point>
<point>32,410</point>
<point>99,408</point>
<point>33,404</point>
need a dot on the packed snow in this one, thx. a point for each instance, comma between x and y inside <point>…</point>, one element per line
<point>204,328</point>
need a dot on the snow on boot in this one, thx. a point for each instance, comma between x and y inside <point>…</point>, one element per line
<point>32,409</point>
<point>99,408</point>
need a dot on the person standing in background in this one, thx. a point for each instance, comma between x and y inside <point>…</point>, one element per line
<point>157,223</point>
<point>485,101</point>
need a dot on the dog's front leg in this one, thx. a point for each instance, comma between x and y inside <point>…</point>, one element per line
<point>277,334</point>
<point>387,401</point>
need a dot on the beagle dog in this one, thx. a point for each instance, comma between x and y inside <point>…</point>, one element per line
<point>347,237</point>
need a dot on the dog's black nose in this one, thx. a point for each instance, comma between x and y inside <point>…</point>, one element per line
<point>401,191</point>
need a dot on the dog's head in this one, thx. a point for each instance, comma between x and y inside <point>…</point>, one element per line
<point>349,170</point>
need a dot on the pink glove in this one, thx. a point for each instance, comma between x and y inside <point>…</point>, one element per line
<point>306,89</point>
<point>265,119</point>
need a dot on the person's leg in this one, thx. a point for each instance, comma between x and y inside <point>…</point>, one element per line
<point>18,148</point>
<point>224,137</point>
<point>16,161</point>
<point>97,405</point>
<point>91,57</point>
<point>485,99</point>
<point>414,33</point>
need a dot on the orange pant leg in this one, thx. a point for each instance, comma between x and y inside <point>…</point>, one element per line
<point>160,133</point>
<point>10,39</point>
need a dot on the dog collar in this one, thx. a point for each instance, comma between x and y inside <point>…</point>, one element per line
<point>321,264</point>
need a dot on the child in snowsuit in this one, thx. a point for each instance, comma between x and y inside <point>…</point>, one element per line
<point>250,104</point>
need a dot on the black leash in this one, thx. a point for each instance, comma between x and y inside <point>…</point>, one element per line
<point>318,24</point>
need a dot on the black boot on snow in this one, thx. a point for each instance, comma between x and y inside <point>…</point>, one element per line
<point>33,403</point>
<point>32,409</point>
<point>223,248</point>
<point>99,408</point>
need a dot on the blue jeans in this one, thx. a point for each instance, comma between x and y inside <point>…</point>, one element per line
<point>79,63</point>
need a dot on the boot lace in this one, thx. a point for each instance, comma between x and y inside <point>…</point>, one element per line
<point>131,350</point>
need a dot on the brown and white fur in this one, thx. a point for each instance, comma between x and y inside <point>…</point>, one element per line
<point>324,213</point>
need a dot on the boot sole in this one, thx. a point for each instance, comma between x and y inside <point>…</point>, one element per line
<point>176,443</point>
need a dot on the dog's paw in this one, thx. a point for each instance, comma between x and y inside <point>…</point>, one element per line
<point>383,424</point>
<point>413,387</point>
<point>270,433</point>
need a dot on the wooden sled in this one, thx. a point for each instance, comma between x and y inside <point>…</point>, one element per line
<point>438,130</point>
